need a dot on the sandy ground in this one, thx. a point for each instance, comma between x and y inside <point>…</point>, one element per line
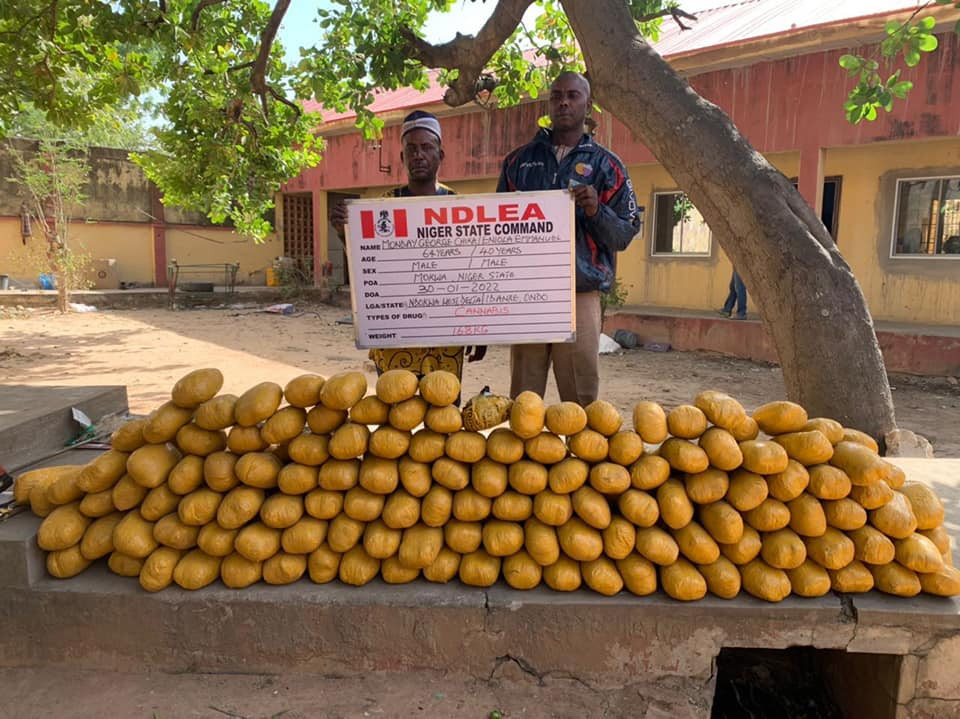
<point>148,350</point>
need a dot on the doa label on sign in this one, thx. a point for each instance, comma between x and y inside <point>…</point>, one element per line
<point>462,269</point>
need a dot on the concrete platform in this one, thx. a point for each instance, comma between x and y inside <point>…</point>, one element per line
<point>35,421</point>
<point>897,657</point>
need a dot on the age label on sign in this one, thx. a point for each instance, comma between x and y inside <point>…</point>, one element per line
<point>462,269</point>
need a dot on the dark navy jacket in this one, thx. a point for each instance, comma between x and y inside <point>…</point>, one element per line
<point>534,167</point>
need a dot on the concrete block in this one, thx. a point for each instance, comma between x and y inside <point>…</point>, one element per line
<point>907,686</point>
<point>920,614</point>
<point>22,563</point>
<point>929,709</point>
<point>937,675</point>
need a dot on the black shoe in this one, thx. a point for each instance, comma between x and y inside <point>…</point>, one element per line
<point>725,313</point>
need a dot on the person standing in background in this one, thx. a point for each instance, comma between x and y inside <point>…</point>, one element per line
<point>738,296</point>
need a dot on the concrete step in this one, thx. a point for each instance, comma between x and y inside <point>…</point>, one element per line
<point>37,421</point>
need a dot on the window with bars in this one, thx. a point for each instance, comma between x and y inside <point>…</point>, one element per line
<point>298,232</point>
<point>926,221</point>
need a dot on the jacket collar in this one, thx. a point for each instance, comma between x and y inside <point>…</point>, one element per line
<point>544,136</point>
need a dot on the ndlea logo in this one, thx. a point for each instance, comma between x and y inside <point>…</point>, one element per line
<point>383,223</point>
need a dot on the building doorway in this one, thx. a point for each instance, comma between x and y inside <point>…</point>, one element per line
<point>336,252</point>
<point>298,235</point>
<point>830,207</point>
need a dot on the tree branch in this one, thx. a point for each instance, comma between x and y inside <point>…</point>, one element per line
<point>233,68</point>
<point>195,17</point>
<point>675,12</point>
<point>467,53</point>
<point>258,77</point>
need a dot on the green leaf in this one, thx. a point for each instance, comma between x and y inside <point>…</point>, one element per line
<point>911,57</point>
<point>891,27</point>
<point>927,23</point>
<point>851,63</point>
<point>927,43</point>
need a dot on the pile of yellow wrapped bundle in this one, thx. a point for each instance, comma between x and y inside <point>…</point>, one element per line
<point>336,483</point>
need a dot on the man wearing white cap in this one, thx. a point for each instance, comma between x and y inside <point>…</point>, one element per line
<point>421,154</point>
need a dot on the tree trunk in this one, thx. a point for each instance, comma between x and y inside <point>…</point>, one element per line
<point>63,296</point>
<point>808,298</point>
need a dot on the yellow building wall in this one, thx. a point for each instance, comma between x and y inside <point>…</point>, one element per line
<point>208,245</point>
<point>925,291</point>
<point>686,282</point>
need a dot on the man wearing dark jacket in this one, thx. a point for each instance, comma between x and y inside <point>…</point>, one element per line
<point>606,221</point>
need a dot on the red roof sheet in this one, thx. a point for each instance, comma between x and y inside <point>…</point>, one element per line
<point>715,27</point>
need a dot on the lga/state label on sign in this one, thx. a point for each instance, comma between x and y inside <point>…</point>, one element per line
<point>454,270</point>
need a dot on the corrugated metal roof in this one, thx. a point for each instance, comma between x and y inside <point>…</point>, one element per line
<point>716,27</point>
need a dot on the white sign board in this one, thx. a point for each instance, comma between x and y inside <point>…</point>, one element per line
<point>453,270</point>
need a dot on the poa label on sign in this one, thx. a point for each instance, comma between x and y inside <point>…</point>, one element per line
<point>462,269</point>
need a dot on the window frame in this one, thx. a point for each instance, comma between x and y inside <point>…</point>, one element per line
<point>891,245</point>
<point>653,232</point>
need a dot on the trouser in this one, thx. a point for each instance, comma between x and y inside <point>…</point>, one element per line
<point>576,365</point>
<point>738,296</point>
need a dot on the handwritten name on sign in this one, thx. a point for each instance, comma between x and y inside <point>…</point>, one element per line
<point>462,269</point>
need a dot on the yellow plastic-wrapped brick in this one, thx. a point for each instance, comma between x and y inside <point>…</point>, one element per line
<point>625,447</point>
<point>339,474</point>
<point>603,417</point>
<point>895,579</point>
<point>657,546</point>
<point>872,496</point>
<point>828,482</point>
<point>419,546</point>
<point>639,507</point>
<point>343,390</point>
<point>348,441</point>
<point>926,505</point>
<point>790,483</point>
<point>150,465</point>
<point>806,447</point>
<point>220,471</point>
<point>546,448</point>
<point>512,507</point>
<point>589,445</point>
<point>42,478</point>
<point>440,388</point>
<point>294,478</point>
<point>196,570</point>
<point>708,486</point>
<point>186,475</point>
<point>649,472</point>
<point>215,540</point>
<point>746,549</point>
<point>521,572</point>
<point>98,504</point>
<point>609,478</point>
<point>471,506</point>
<point>720,408</point>
<point>675,506</point>
<point>686,422</point>
<point>540,541</point>
<point>242,440</point>
<point>129,435</point>
<point>504,446</point>
<point>780,417</point>
<point>527,417</point>
<point>832,550</point>
<point>807,517</point>
<point>871,545</point>
<point>639,574</point>
<point>565,418</point>
<point>783,549</point>
<point>939,536</point>
<point>722,521</point>
<point>389,442</point>
<point>159,502</point>
<point>684,456</point>
<point>769,516</point>
<point>829,428</point>
<point>103,472</point>
<point>551,508</point>
<point>861,464</point>
<point>257,404</point>
<point>444,567</point>
<point>722,449</point>
<point>238,572</point>
<point>379,475</point>
<point>323,564</point>
<point>747,490</point>
<point>722,578</point>
<point>765,582</point>
<point>464,446</point>
<point>854,578</point>
<point>945,582</point>
<point>682,581</point>
<point>809,579</point>
<point>619,538</point>
<point>284,425</point>
<point>344,533</point>
<point>696,544</point>
<point>501,539</point>
<point>444,420</point>
<point>401,510</point>
<point>844,514</point>
<point>305,536</point>
<point>568,475</point>
<point>66,563</point>
<point>280,511</point>
<point>450,473</point>
<point>393,572</point>
<point>397,385</point>
<point>527,477</point>
<point>463,537</point>
<point>303,391</point>
<point>173,533</point>
<point>745,429</point>
<point>216,413</point>
<point>97,540</point>
<point>323,503</point>
<point>157,570</point>
<point>650,422</point>
<point>124,565</point>
<point>63,489</point>
<point>479,569</point>
<point>896,518</point>
<point>918,553</point>
<point>427,445</point>
<point>357,567</point>
<point>380,541</point>
<point>436,507</point>
<point>858,437</point>
<point>192,439</point>
<point>162,424</point>
<point>283,568</point>
<point>601,576</point>
<point>257,541</point>
<point>197,387</point>
<point>580,541</point>
<point>563,575</point>
<point>259,469</point>
<point>591,507</point>
<point>323,420</point>
<point>370,410</point>
<point>133,536</point>
<point>764,457</point>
